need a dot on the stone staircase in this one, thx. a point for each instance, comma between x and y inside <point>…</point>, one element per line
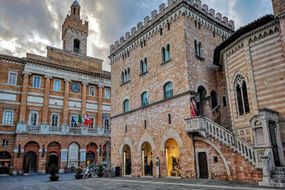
<point>278,177</point>
<point>258,157</point>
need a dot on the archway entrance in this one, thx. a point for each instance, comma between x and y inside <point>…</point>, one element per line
<point>30,162</point>
<point>52,159</point>
<point>172,158</point>
<point>147,164</point>
<point>127,162</point>
<point>91,156</point>
<point>201,104</point>
<point>5,160</point>
<point>53,154</point>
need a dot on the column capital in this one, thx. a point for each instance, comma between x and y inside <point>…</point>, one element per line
<point>85,83</point>
<point>67,80</point>
<point>48,76</point>
<point>26,73</point>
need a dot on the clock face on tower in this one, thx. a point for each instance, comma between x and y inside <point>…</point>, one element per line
<point>75,87</point>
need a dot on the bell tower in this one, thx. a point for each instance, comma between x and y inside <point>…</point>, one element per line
<point>75,31</point>
<point>278,7</point>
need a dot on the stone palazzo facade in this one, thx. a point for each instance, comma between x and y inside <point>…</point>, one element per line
<point>44,102</point>
<point>193,98</point>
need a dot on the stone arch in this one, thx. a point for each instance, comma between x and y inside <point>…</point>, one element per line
<point>126,141</point>
<point>201,83</point>
<point>146,138</point>
<point>218,151</point>
<point>235,76</point>
<point>171,134</point>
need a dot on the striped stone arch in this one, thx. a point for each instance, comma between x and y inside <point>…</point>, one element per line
<point>126,141</point>
<point>146,138</point>
<point>171,134</point>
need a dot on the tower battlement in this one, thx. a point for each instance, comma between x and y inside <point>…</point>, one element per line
<point>194,5</point>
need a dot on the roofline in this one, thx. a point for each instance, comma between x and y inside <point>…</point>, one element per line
<point>240,32</point>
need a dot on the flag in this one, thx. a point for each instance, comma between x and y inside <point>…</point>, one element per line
<point>79,119</point>
<point>73,121</point>
<point>193,106</point>
<point>88,121</point>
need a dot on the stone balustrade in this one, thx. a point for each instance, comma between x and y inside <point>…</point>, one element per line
<point>207,128</point>
<point>62,130</point>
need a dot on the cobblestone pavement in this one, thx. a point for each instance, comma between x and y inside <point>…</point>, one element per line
<point>68,182</point>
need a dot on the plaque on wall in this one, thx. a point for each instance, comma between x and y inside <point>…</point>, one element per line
<point>75,87</point>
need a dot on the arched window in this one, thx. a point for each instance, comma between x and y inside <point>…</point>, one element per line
<point>126,106</point>
<point>167,53</point>
<point>76,46</point>
<point>168,26</point>
<point>122,77</point>
<point>200,49</point>
<point>143,65</point>
<point>241,95</point>
<point>163,55</point>
<point>214,99</point>
<point>129,74</point>
<point>125,76</point>
<point>196,47</point>
<point>168,90</point>
<point>144,99</point>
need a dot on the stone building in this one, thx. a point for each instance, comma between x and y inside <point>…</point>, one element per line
<point>174,111</point>
<point>54,109</point>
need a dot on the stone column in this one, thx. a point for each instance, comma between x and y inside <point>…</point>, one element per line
<point>46,100</point>
<point>100,106</point>
<point>23,107</point>
<point>18,158</point>
<point>84,99</point>
<point>42,158</point>
<point>66,103</point>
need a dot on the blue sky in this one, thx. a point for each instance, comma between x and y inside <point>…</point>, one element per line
<point>31,25</point>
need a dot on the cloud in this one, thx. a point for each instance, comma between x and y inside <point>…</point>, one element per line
<point>31,25</point>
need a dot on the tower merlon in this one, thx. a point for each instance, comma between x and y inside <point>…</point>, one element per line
<point>163,10</point>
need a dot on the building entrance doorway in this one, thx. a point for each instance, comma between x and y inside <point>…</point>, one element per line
<point>30,162</point>
<point>127,162</point>
<point>90,158</point>
<point>52,159</point>
<point>5,161</point>
<point>147,164</point>
<point>272,131</point>
<point>172,158</point>
<point>203,165</point>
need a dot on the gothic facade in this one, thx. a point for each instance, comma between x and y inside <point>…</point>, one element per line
<point>188,96</point>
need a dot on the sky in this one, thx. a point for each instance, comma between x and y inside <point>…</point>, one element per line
<point>31,25</point>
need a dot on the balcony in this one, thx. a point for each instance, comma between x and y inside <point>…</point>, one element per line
<point>62,130</point>
<point>196,126</point>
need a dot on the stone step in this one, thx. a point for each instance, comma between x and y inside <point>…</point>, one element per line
<point>278,173</point>
<point>279,176</point>
<point>274,184</point>
<point>279,169</point>
<point>278,180</point>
